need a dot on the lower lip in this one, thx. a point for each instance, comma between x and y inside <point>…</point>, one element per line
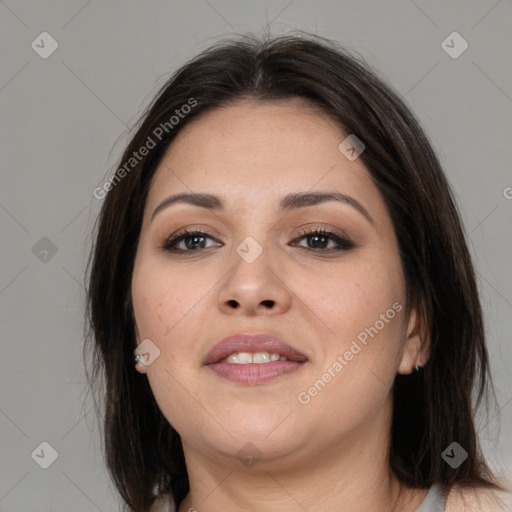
<point>254,373</point>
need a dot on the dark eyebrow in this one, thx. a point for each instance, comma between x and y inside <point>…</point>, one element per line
<point>289,202</point>
<point>304,199</point>
<point>208,201</point>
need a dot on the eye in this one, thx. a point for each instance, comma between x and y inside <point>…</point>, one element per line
<point>320,239</point>
<point>193,240</point>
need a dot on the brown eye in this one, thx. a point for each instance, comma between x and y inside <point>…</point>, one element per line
<point>192,241</point>
<point>320,239</point>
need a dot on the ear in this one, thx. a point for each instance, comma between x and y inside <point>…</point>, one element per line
<point>416,349</point>
<point>138,366</point>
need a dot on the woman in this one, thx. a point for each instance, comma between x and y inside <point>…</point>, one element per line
<point>280,251</point>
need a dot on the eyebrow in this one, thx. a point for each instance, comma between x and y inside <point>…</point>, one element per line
<point>288,202</point>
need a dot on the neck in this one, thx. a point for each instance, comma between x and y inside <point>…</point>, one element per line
<point>352,475</point>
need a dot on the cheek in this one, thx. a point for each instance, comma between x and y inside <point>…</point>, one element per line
<point>356,297</point>
<point>167,307</point>
<point>362,304</point>
<point>163,299</point>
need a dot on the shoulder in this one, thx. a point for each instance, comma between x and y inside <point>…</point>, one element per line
<point>478,499</point>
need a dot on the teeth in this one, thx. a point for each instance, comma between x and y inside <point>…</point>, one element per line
<point>261,357</point>
<point>244,358</point>
<point>233,358</point>
<point>257,357</point>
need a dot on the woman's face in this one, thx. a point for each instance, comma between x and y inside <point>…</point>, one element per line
<point>254,269</point>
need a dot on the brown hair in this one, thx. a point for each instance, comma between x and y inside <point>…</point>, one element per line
<point>432,407</point>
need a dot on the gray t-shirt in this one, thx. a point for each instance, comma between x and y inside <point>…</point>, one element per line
<point>434,501</point>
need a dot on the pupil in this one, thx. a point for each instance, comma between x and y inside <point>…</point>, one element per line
<point>193,238</point>
<point>316,237</point>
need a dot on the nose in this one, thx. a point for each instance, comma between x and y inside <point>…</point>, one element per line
<point>254,288</point>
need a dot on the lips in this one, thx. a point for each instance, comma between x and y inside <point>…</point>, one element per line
<point>251,342</point>
<point>251,373</point>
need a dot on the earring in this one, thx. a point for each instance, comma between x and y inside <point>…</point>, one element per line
<point>137,358</point>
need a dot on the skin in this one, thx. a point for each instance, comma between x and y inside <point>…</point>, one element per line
<point>315,456</point>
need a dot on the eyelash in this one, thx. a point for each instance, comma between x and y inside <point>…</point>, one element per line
<point>344,243</point>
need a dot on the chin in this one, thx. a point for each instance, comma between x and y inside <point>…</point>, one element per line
<point>247,449</point>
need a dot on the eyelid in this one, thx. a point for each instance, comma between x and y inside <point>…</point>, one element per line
<point>320,226</point>
<point>303,230</point>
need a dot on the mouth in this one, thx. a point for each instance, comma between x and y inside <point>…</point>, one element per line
<point>253,358</point>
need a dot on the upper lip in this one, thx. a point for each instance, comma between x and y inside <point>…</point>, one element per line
<point>252,342</point>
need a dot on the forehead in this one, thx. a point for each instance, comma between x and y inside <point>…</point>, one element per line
<point>271,144</point>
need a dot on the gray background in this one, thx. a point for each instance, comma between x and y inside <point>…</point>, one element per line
<point>65,120</point>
